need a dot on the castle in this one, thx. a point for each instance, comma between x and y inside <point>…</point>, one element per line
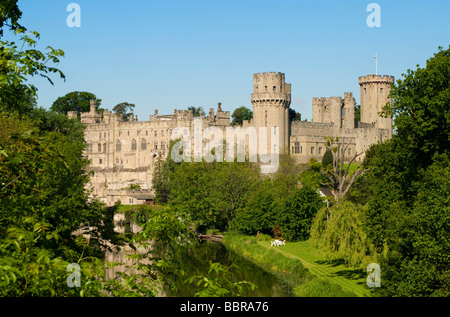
<point>124,153</point>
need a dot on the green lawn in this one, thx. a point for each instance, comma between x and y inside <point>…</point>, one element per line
<point>352,168</point>
<point>123,208</point>
<point>348,278</point>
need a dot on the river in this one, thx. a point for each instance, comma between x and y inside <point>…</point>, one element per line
<point>196,260</point>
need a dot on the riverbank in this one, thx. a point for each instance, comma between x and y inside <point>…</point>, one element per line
<point>301,281</point>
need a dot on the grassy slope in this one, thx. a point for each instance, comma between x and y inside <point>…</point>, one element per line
<point>349,279</point>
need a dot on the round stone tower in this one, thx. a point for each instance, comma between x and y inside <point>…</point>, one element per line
<point>271,99</point>
<point>375,91</point>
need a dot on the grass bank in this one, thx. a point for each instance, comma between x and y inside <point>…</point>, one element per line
<point>349,279</point>
<point>289,269</point>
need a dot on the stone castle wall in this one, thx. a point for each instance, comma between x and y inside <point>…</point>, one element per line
<point>124,153</point>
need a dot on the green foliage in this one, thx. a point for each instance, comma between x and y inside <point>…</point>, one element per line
<point>10,12</point>
<point>125,109</point>
<point>133,186</point>
<point>419,251</point>
<point>211,193</point>
<point>294,116</point>
<point>407,205</point>
<point>78,101</point>
<point>340,176</point>
<point>17,63</point>
<point>259,215</point>
<point>156,266</point>
<point>219,283</point>
<point>196,111</point>
<point>327,158</point>
<point>241,114</point>
<point>358,113</point>
<point>342,236</point>
<point>162,175</point>
<point>44,205</point>
<point>309,177</point>
<point>420,108</point>
<point>298,212</point>
<point>286,179</point>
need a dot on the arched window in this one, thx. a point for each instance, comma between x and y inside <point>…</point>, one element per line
<point>143,144</point>
<point>104,147</point>
<point>133,145</point>
<point>118,146</point>
<point>99,147</point>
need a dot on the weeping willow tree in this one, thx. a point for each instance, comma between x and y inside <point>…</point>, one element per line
<point>342,236</point>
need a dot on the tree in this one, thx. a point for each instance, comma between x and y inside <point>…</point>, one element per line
<point>421,131</point>
<point>162,176</point>
<point>343,235</point>
<point>10,12</point>
<point>327,158</point>
<point>210,194</point>
<point>196,111</point>
<point>44,201</point>
<point>230,188</point>
<point>298,212</point>
<point>420,110</point>
<point>78,101</point>
<point>358,113</point>
<point>417,263</point>
<point>259,214</point>
<point>294,115</point>
<point>241,114</point>
<point>407,212</point>
<point>338,178</point>
<point>286,178</point>
<point>124,109</point>
<point>17,64</point>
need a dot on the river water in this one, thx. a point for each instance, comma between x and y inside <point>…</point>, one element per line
<point>196,261</point>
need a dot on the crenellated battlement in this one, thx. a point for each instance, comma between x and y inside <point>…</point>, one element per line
<point>270,82</point>
<point>379,79</point>
<point>267,75</point>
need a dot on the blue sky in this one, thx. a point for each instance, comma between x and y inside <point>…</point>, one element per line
<point>170,55</point>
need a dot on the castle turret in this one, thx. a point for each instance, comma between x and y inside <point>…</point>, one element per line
<point>375,91</point>
<point>335,104</point>
<point>348,121</point>
<point>92,106</point>
<point>271,99</point>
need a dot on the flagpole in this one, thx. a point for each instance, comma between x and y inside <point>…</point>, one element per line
<point>376,64</point>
